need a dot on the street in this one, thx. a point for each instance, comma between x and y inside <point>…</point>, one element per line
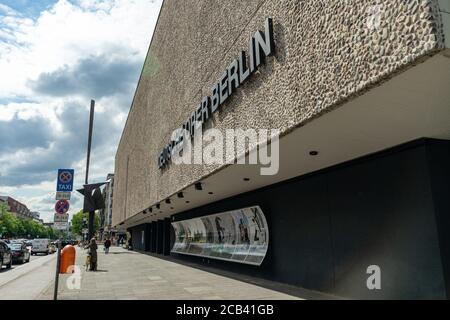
<point>26,281</point>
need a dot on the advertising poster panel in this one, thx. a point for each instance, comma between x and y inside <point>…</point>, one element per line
<point>241,236</point>
<point>226,236</point>
<point>258,235</point>
<point>180,241</point>
<point>209,236</point>
<point>197,236</point>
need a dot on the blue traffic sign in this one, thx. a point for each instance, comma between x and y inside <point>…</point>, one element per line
<point>65,180</point>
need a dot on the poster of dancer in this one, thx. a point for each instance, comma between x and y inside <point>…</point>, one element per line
<point>180,241</point>
<point>258,235</point>
<point>243,235</point>
<point>210,234</point>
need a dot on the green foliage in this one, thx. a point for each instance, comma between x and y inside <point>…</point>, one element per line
<point>12,227</point>
<point>78,224</point>
<point>51,233</point>
<point>9,225</point>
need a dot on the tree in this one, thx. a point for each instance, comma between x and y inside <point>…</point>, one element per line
<point>9,224</point>
<point>3,227</point>
<point>78,224</point>
<point>12,227</point>
<point>29,228</point>
<point>51,234</point>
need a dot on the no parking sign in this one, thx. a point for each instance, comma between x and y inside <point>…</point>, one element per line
<point>65,180</point>
<point>62,206</point>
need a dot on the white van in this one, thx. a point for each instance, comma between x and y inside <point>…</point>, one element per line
<point>40,246</point>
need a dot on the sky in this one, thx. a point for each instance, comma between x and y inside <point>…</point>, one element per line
<point>55,56</point>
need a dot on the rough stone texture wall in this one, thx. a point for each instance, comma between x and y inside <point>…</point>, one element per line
<point>327,52</point>
<point>445,13</point>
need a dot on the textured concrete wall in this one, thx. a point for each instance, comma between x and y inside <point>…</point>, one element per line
<point>327,52</point>
<point>445,12</point>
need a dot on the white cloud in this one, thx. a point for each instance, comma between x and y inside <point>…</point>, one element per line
<point>54,46</point>
<point>67,32</point>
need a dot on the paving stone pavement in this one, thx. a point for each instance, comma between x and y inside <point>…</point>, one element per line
<point>128,275</point>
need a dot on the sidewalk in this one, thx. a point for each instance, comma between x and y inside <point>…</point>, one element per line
<point>128,275</point>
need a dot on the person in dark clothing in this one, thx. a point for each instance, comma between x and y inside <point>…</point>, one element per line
<point>93,253</point>
<point>107,244</point>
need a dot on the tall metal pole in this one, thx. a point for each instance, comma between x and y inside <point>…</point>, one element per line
<point>58,265</point>
<point>91,125</point>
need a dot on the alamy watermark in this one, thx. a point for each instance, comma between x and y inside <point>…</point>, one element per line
<point>74,281</point>
<point>374,18</point>
<point>229,146</point>
<point>374,280</point>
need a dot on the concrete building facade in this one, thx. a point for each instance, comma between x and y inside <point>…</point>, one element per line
<point>106,213</point>
<point>36,217</point>
<point>358,91</point>
<point>18,209</point>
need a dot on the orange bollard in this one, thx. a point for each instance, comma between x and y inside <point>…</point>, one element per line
<point>67,259</point>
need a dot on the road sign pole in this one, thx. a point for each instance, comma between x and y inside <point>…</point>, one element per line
<point>64,187</point>
<point>58,265</point>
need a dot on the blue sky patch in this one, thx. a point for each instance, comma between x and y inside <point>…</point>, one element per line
<point>29,8</point>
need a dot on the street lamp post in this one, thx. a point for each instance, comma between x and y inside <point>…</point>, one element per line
<point>91,125</point>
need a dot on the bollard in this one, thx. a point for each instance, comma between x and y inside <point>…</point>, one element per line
<point>67,259</point>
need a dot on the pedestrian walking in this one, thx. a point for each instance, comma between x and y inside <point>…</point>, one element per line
<point>107,244</point>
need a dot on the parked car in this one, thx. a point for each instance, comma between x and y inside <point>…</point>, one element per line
<point>65,242</point>
<point>52,248</point>
<point>29,243</point>
<point>40,246</point>
<point>19,251</point>
<point>5,255</point>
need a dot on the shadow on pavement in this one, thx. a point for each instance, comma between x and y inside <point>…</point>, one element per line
<point>4,270</point>
<point>120,253</point>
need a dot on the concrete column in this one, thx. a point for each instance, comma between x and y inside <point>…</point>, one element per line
<point>159,237</point>
<point>153,237</point>
<point>148,233</point>
<point>166,237</point>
